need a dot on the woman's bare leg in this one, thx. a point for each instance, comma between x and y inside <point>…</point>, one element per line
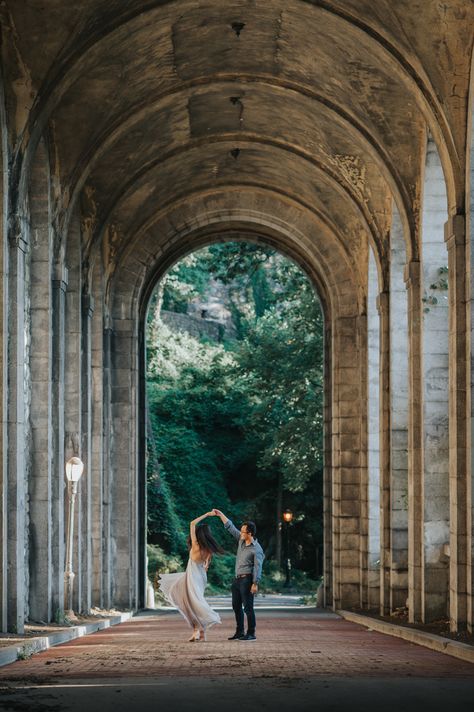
<point>195,636</point>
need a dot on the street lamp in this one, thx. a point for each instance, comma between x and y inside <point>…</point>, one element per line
<point>287,518</point>
<point>74,470</point>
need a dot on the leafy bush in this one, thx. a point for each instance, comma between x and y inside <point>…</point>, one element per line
<point>274,578</point>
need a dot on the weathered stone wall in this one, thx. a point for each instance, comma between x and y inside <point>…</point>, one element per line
<point>193,325</point>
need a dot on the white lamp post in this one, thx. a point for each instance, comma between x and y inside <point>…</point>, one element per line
<point>74,470</point>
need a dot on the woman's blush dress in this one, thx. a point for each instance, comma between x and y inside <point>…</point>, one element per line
<point>185,591</point>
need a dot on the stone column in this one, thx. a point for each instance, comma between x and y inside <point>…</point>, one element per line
<point>4,430</point>
<point>415,443</point>
<point>435,393</point>
<point>107,479</point>
<point>86,485</point>
<point>60,280</point>
<point>17,465</point>
<point>327,498</point>
<point>383,308</point>
<point>399,418</point>
<point>40,480</point>
<point>348,424</point>
<point>123,466</point>
<point>72,399</point>
<point>98,495</point>
<point>459,491</point>
<point>374,412</point>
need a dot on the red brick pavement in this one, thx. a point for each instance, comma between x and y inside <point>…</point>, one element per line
<point>289,645</point>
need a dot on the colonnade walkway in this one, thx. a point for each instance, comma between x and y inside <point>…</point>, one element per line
<point>303,659</point>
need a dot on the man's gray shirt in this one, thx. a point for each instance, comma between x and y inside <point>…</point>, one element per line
<point>249,557</point>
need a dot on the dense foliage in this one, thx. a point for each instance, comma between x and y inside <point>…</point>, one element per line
<point>238,424</point>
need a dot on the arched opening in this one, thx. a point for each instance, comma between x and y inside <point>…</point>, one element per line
<point>250,434</point>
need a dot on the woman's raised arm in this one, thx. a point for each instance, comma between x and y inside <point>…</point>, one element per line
<point>192,525</point>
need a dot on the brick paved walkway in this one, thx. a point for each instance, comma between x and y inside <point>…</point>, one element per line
<point>293,648</point>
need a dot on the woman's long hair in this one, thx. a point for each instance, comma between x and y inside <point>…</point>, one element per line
<point>205,540</point>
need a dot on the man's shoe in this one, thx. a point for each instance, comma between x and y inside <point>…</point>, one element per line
<point>236,636</point>
<point>249,636</point>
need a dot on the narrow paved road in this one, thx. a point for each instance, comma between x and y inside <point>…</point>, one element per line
<point>303,660</point>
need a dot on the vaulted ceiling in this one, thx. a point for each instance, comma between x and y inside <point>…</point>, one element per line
<point>323,102</point>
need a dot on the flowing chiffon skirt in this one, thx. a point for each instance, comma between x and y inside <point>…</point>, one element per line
<point>185,591</point>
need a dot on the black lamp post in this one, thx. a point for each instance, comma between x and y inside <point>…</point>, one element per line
<point>287,518</point>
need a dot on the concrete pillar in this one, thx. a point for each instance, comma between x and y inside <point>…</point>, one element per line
<point>383,308</point>
<point>59,287</point>
<point>373,350</point>
<point>3,377</point>
<point>470,394</point>
<point>107,480</point>
<point>17,465</point>
<point>347,427</point>
<point>40,412</point>
<point>123,466</point>
<point>459,489</point>
<point>73,389</point>
<point>87,485</point>
<point>435,395</point>
<point>415,443</point>
<point>399,417</point>
<point>97,491</point>
<point>327,498</point>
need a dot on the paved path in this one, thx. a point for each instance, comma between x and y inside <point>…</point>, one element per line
<point>303,660</point>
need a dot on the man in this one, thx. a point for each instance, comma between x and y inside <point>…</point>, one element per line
<point>248,570</point>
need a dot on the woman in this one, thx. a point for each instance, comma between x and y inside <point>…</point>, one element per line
<point>185,590</point>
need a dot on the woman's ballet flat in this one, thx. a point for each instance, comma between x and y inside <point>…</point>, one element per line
<point>194,639</point>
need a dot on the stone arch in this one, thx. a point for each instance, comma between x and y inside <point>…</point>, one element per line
<point>142,270</point>
<point>409,68</point>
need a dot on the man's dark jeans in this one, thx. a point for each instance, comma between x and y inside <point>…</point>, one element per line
<point>241,596</point>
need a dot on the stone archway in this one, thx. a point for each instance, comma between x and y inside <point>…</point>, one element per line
<point>133,134</point>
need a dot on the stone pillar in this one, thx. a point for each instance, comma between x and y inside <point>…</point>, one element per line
<point>415,443</point>
<point>459,491</point>
<point>383,307</point>
<point>4,423</point>
<point>86,488</point>
<point>399,418</point>
<point>72,399</point>
<point>435,393</point>
<point>123,468</point>
<point>17,466</point>
<point>97,492</point>
<point>60,280</point>
<point>373,394</point>
<point>348,423</point>
<point>107,478</point>
<point>40,480</point>
<point>327,498</point>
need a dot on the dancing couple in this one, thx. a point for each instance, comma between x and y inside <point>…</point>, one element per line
<point>185,590</point>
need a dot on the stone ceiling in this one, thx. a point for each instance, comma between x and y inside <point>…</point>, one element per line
<point>326,103</point>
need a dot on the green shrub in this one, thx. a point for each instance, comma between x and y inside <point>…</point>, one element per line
<point>220,574</point>
<point>274,578</point>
